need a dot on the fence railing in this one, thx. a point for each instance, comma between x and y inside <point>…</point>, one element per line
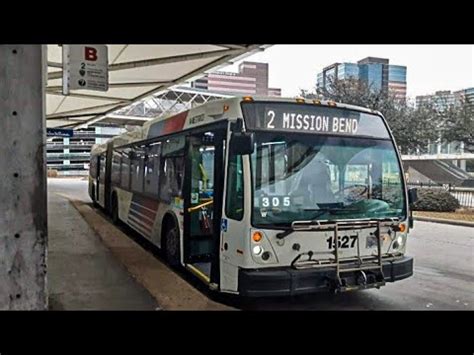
<point>465,195</point>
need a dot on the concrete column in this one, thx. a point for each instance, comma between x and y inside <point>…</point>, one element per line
<point>23,201</point>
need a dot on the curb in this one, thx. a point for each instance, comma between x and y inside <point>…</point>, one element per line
<point>445,221</point>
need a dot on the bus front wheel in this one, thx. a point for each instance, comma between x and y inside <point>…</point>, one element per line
<point>172,246</point>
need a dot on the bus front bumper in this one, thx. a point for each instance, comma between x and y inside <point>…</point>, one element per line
<point>287,281</point>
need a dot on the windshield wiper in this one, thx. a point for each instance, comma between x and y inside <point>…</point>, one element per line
<point>285,233</point>
<point>321,211</point>
<point>331,210</point>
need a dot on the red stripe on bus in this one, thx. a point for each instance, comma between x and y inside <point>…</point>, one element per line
<point>175,123</point>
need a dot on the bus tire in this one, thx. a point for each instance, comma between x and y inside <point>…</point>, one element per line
<point>114,212</point>
<point>172,252</point>
<point>94,201</point>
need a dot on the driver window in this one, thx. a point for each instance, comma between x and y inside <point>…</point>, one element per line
<point>391,182</point>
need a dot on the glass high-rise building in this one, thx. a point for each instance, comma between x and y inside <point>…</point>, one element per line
<point>377,73</point>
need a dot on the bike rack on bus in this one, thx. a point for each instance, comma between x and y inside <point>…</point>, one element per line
<point>372,263</point>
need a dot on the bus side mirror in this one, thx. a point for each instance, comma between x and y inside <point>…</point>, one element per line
<point>242,143</point>
<point>412,195</point>
<point>412,198</point>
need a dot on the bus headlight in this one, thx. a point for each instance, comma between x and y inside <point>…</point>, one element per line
<point>257,250</point>
<point>398,243</point>
<point>261,248</point>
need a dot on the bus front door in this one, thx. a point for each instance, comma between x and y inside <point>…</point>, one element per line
<point>203,203</point>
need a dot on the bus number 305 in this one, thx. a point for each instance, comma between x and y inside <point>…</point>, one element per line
<point>276,201</point>
<point>347,241</point>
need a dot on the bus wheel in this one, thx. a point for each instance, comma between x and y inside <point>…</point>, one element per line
<point>94,202</point>
<point>115,215</point>
<point>172,246</point>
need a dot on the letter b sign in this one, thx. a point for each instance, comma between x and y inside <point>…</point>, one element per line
<point>90,54</point>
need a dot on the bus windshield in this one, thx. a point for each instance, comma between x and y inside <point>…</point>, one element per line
<point>298,176</point>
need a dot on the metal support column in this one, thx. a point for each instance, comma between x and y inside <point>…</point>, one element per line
<point>23,200</point>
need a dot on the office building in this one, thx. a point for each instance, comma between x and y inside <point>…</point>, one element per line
<point>445,98</point>
<point>377,73</point>
<point>251,79</point>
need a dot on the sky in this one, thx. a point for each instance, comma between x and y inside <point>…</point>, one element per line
<point>429,67</point>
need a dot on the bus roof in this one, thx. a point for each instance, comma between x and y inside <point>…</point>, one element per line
<point>328,103</point>
<point>175,122</point>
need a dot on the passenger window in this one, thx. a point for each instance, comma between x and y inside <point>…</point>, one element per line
<point>125,170</point>
<point>152,168</point>
<point>102,169</point>
<point>172,169</point>
<point>93,167</point>
<point>137,167</point>
<point>116,168</point>
<point>171,181</point>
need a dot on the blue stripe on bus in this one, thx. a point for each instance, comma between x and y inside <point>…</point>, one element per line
<point>143,210</point>
<point>138,228</point>
<point>140,223</point>
<point>145,219</point>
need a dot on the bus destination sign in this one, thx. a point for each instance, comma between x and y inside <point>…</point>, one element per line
<point>290,117</point>
<point>301,121</point>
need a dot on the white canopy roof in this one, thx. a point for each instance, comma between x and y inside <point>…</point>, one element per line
<point>135,73</point>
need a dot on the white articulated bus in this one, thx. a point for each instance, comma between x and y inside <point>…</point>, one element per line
<point>264,196</point>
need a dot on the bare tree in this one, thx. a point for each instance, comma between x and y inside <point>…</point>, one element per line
<point>458,124</point>
<point>412,128</point>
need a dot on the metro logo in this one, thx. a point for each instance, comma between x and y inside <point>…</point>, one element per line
<point>90,54</point>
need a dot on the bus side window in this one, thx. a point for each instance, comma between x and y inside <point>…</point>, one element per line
<point>93,167</point>
<point>116,168</point>
<point>172,177</point>
<point>172,168</point>
<point>177,188</point>
<point>152,167</point>
<point>102,169</point>
<point>165,193</point>
<point>125,170</point>
<point>137,167</point>
<point>234,204</point>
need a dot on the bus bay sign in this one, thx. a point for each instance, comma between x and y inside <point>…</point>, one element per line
<point>85,66</point>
